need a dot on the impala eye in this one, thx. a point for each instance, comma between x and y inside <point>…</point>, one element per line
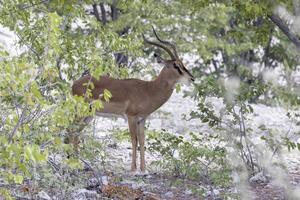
<point>178,68</point>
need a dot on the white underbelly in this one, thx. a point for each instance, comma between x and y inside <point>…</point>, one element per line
<point>111,115</point>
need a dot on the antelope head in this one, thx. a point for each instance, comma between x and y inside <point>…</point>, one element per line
<point>174,67</point>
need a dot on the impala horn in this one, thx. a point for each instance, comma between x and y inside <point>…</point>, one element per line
<point>160,45</point>
<point>166,42</point>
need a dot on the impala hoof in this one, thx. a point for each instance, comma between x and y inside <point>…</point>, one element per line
<point>140,173</point>
<point>134,172</point>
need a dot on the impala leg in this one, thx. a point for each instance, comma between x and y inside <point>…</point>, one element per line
<point>141,140</point>
<point>132,122</point>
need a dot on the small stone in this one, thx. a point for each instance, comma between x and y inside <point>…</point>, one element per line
<point>148,176</point>
<point>294,183</point>
<point>169,195</point>
<point>216,192</point>
<point>259,178</point>
<point>188,192</point>
<point>104,180</point>
<point>92,183</point>
<point>84,194</point>
<point>212,194</point>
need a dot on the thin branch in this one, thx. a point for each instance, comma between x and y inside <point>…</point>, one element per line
<point>54,166</point>
<point>32,114</point>
<point>19,123</point>
<point>29,47</point>
<point>93,171</point>
<point>265,58</point>
<point>24,6</point>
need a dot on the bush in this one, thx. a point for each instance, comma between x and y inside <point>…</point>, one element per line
<point>191,158</point>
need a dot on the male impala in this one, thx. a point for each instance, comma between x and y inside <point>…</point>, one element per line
<point>135,98</point>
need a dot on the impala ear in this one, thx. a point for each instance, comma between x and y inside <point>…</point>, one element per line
<point>159,59</point>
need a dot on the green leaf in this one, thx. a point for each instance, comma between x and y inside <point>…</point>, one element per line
<point>5,193</point>
<point>18,179</point>
<point>107,95</point>
<point>74,163</point>
<point>178,88</point>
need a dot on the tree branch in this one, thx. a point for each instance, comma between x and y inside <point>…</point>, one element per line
<point>103,14</point>
<point>114,11</point>
<point>285,29</point>
<point>265,58</point>
<point>96,13</point>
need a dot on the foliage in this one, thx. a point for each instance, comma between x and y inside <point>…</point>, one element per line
<point>240,45</point>
<point>37,106</point>
<point>236,43</point>
<point>191,159</point>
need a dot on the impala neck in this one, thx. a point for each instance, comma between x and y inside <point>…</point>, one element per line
<point>163,86</point>
<point>165,79</point>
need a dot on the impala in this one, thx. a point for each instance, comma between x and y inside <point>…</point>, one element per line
<point>136,98</point>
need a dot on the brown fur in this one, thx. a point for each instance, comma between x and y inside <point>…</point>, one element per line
<point>135,98</point>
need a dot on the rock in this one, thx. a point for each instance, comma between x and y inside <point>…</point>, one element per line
<point>169,195</point>
<point>259,178</point>
<point>84,194</point>
<point>43,196</point>
<point>188,192</point>
<point>216,192</point>
<point>93,183</point>
<point>212,194</point>
<point>104,180</point>
<point>148,176</point>
<point>113,145</point>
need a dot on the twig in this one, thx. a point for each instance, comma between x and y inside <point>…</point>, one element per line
<point>54,166</point>
<point>19,123</point>
<point>94,173</point>
<point>29,47</point>
<point>245,138</point>
<point>267,49</point>
<point>32,114</point>
<point>23,7</point>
